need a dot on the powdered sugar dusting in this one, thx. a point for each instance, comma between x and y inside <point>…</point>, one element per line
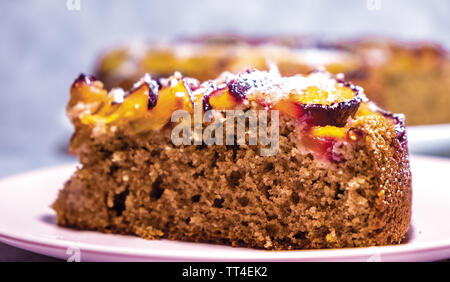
<point>272,86</point>
<point>118,95</point>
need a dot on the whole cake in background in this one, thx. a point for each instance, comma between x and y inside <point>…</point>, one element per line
<point>410,78</point>
<point>340,176</point>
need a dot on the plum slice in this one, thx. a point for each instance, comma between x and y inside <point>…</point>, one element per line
<point>224,96</point>
<point>86,89</point>
<point>152,87</point>
<point>175,97</point>
<point>319,107</point>
<point>145,107</point>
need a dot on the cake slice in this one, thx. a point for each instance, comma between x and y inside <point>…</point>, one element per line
<point>337,174</point>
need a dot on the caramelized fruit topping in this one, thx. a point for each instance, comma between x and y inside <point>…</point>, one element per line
<point>315,100</point>
<point>86,88</point>
<point>145,107</point>
<point>153,89</point>
<point>332,105</point>
<point>326,110</point>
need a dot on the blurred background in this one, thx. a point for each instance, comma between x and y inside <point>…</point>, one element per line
<point>44,46</point>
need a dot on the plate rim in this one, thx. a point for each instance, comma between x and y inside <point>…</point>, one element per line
<point>15,239</point>
<point>253,254</point>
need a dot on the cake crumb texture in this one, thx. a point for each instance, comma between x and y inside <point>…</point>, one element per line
<point>145,186</point>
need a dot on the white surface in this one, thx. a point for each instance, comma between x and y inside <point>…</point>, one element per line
<point>26,221</point>
<point>429,139</point>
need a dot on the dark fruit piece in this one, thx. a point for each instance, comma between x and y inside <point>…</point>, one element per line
<point>152,88</point>
<point>219,97</point>
<point>83,78</point>
<point>238,89</point>
<point>152,94</point>
<point>210,88</point>
<point>336,115</point>
<point>314,108</point>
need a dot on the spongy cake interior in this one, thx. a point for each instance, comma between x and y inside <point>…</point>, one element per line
<point>144,185</point>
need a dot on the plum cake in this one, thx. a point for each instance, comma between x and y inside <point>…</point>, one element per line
<point>339,177</point>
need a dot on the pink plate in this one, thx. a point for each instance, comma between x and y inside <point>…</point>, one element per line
<point>27,222</point>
